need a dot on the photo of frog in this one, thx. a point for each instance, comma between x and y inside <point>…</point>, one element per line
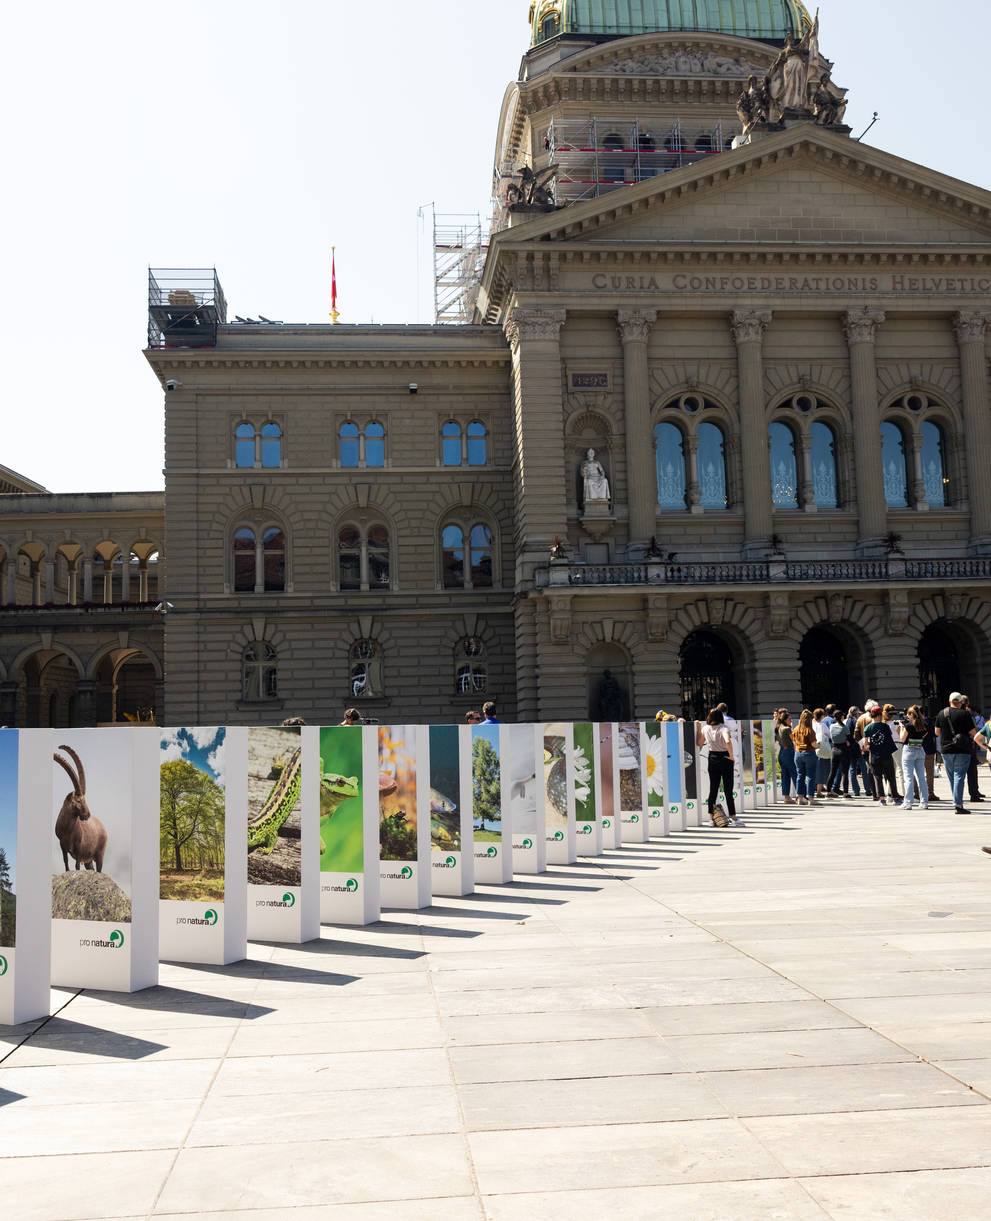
<point>341,778</point>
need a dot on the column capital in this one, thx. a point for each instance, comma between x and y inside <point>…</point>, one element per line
<point>523,324</point>
<point>971,325</point>
<point>634,325</point>
<point>860,325</point>
<point>748,326</point>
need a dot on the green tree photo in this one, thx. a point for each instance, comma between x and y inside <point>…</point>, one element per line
<point>486,790</point>
<point>8,904</point>
<point>191,840</point>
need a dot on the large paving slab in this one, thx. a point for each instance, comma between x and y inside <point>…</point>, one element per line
<point>791,1019</point>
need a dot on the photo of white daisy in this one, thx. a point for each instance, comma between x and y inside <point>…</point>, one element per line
<point>583,775</point>
<point>656,758</point>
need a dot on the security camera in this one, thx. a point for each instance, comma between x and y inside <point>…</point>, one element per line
<point>172,384</point>
<point>413,387</point>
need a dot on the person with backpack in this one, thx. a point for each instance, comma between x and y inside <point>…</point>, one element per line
<point>824,750</point>
<point>955,730</point>
<point>879,746</point>
<point>839,771</point>
<point>858,764</point>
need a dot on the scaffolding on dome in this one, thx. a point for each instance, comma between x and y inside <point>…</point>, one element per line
<point>595,156</point>
<point>460,244</point>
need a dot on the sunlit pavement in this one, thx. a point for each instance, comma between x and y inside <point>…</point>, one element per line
<point>791,1019</point>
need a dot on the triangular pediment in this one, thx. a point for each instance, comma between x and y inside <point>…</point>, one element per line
<point>805,185</point>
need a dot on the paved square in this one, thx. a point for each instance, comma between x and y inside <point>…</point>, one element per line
<point>791,1020</point>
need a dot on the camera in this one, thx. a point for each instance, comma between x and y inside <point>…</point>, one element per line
<point>172,384</point>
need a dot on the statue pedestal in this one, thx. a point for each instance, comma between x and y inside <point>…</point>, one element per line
<point>596,518</point>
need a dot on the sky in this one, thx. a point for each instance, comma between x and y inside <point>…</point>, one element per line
<point>8,801</point>
<point>252,137</point>
<point>203,747</point>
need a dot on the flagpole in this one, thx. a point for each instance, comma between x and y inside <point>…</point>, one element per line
<point>334,314</point>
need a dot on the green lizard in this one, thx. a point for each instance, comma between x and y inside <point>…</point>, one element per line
<point>263,829</point>
<point>333,790</point>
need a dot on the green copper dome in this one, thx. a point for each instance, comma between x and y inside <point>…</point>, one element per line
<point>763,19</point>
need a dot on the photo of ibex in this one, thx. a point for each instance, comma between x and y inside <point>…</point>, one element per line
<point>80,834</point>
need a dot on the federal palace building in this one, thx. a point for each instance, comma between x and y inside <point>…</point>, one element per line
<point>716,419</point>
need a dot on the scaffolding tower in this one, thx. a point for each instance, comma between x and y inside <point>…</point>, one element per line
<point>460,245</point>
<point>185,307</point>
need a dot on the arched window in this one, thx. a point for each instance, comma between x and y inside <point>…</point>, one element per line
<point>347,436</point>
<point>893,466</point>
<point>363,556</point>
<point>244,445</point>
<point>470,670</point>
<point>476,443</point>
<point>670,458</point>
<point>374,444</point>
<point>259,559</point>
<point>451,443</point>
<point>453,557</point>
<point>549,26</point>
<point>712,466</point>
<point>274,560</point>
<point>784,469</point>
<point>478,539</point>
<point>935,480</point>
<point>271,444</point>
<point>822,456</point>
<point>259,673</point>
<point>364,669</point>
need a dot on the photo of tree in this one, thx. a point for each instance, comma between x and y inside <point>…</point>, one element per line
<point>445,788</point>
<point>8,838</point>
<point>555,778</point>
<point>397,792</point>
<point>486,787</point>
<point>192,809</point>
<point>275,851</point>
<point>342,848</point>
<point>584,739</point>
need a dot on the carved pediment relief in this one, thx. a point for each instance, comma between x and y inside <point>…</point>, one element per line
<point>683,61</point>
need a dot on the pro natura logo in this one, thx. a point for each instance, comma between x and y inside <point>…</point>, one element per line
<point>634,818</point>
<point>673,809</point>
<point>350,887</point>
<point>208,919</point>
<point>406,872</point>
<point>584,828</point>
<point>3,965</point>
<point>607,822</point>
<point>558,836</point>
<point>114,942</point>
<point>449,862</point>
<point>287,900</point>
<point>527,843</point>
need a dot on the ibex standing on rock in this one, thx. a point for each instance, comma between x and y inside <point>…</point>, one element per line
<point>81,835</point>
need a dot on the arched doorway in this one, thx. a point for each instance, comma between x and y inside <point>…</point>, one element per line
<point>46,695</point>
<point>608,670</point>
<point>939,666</point>
<point>825,669</point>
<point>125,688</point>
<point>708,675</point>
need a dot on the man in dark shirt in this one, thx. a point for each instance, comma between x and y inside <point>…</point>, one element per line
<point>955,729</point>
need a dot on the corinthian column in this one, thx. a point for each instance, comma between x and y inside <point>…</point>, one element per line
<point>860,327</point>
<point>971,328</point>
<point>541,497</point>
<point>748,331</point>
<point>641,477</point>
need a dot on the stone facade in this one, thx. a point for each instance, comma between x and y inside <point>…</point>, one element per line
<point>779,353</point>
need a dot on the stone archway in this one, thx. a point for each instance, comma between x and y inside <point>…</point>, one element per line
<point>939,665</point>
<point>47,692</point>
<point>125,690</point>
<point>708,674</point>
<point>824,668</point>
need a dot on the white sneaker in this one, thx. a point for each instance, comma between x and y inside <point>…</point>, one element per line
<point>905,807</point>
<point>925,805</point>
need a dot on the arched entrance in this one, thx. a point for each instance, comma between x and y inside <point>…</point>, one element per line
<point>125,688</point>
<point>708,675</point>
<point>47,691</point>
<point>609,683</point>
<point>825,669</point>
<point>939,666</point>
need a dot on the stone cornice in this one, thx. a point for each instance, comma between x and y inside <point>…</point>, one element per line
<point>163,359</point>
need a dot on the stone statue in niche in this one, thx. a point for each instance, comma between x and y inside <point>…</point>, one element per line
<point>612,698</point>
<point>595,484</point>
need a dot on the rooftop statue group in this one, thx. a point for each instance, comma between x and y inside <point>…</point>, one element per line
<point>794,82</point>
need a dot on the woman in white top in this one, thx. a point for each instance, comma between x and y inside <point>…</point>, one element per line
<point>715,736</point>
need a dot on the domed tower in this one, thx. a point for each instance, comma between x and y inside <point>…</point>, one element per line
<point>612,92</point>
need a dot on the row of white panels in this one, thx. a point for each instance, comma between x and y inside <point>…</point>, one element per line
<point>126,846</point>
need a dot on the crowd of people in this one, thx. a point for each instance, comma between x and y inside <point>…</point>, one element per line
<point>894,754</point>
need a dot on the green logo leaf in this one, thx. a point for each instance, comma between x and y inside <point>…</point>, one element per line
<point>673,809</point>
<point>210,916</point>
<point>606,822</point>
<point>585,828</point>
<point>3,965</point>
<point>635,818</point>
<point>289,900</point>
<point>406,872</point>
<point>558,836</point>
<point>451,863</point>
<point>492,850</point>
<point>351,884</point>
<point>527,843</point>
<point>116,939</point>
